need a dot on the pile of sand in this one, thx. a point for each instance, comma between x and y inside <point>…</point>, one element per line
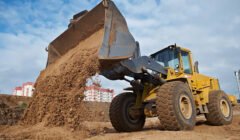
<point>57,100</point>
<point>9,115</point>
<point>11,109</point>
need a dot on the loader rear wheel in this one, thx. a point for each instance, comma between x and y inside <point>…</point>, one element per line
<point>120,116</point>
<point>220,109</point>
<point>175,106</point>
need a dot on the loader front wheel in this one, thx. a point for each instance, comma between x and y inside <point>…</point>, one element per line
<point>120,115</point>
<point>175,106</point>
<point>220,109</point>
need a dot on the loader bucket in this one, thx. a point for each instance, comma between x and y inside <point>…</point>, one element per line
<point>117,42</point>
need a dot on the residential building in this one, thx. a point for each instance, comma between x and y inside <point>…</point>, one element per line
<point>25,90</point>
<point>98,94</point>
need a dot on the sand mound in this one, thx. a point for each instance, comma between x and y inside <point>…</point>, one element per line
<point>11,109</point>
<point>9,115</point>
<point>57,100</point>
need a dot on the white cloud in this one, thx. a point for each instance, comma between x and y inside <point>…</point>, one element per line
<point>210,29</point>
<point>25,30</point>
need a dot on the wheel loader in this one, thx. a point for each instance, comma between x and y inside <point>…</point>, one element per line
<point>166,84</point>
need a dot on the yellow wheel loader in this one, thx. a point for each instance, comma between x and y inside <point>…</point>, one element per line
<point>166,84</point>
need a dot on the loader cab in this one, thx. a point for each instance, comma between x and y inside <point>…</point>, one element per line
<point>176,58</point>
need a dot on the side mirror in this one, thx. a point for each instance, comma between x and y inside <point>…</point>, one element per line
<point>177,66</point>
<point>196,67</point>
<point>176,69</point>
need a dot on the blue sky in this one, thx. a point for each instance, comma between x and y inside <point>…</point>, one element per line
<point>211,29</point>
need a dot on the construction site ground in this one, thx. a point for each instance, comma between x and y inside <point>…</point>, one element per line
<point>103,130</point>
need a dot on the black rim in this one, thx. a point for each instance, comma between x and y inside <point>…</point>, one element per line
<point>129,117</point>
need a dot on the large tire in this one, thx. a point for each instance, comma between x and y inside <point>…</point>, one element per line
<point>175,106</point>
<point>119,114</point>
<point>220,109</point>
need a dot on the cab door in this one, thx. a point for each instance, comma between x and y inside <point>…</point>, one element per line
<point>186,63</point>
<point>188,69</point>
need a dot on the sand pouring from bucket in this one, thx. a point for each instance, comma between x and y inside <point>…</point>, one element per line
<point>117,42</point>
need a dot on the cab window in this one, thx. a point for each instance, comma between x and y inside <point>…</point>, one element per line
<point>186,62</point>
<point>167,58</point>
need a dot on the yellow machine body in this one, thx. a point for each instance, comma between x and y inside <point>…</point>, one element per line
<point>200,85</point>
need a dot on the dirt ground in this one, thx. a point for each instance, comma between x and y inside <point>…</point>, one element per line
<point>12,108</point>
<point>100,130</point>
